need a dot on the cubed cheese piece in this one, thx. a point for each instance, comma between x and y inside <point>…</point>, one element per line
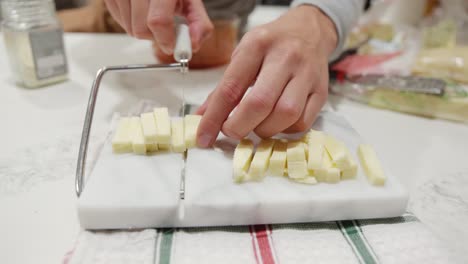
<point>191,127</point>
<point>261,159</point>
<point>122,142</point>
<point>278,158</point>
<point>163,125</point>
<point>178,140</point>
<point>308,180</point>
<point>164,147</point>
<point>136,133</point>
<point>333,175</point>
<point>338,152</point>
<point>151,147</point>
<point>316,143</point>
<point>296,160</point>
<point>321,174</point>
<point>351,172</point>
<point>371,165</point>
<point>242,158</point>
<point>148,124</point>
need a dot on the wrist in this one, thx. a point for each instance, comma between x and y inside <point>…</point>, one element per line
<point>324,25</point>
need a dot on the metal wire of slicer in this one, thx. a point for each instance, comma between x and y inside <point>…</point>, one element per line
<point>182,54</point>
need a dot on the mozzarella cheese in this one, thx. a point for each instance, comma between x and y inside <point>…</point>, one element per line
<point>242,159</point>
<point>163,125</point>
<point>371,165</point>
<point>177,138</point>
<point>316,141</point>
<point>191,128</point>
<point>136,134</point>
<point>261,159</point>
<point>121,142</point>
<point>296,160</point>
<point>278,158</point>
<point>338,152</point>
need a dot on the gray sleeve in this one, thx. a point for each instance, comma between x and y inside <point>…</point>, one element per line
<point>343,13</point>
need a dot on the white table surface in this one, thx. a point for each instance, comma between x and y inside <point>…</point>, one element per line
<point>41,128</point>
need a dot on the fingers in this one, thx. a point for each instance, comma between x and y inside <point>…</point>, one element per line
<point>239,74</point>
<point>259,102</point>
<point>160,21</point>
<point>139,11</point>
<point>125,14</point>
<point>288,109</point>
<point>114,11</point>
<point>199,23</point>
<point>310,113</point>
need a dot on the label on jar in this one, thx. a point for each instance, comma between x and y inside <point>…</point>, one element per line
<point>48,53</point>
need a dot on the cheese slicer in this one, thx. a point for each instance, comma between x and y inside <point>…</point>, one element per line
<point>182,55</point>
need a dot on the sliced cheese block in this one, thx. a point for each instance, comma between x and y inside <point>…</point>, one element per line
<point>121,142</point>
<point>338,152</point>
<point>296,160</point>
<point>148,124</point>
<point>316,143</point>
<point>371,165</point>
<point>136,134</point>
<point>351,172</point>
<point>191,127</point>
<point>163,125</point>
<point>333,175</point>
<point>165,147</point>
<point>261,159</point>
<point>177,138</point>
<point>241,160</point>
<point>151,147</point>
<point>309,180</point>
<point>322,173</point>
<point>278,158</point>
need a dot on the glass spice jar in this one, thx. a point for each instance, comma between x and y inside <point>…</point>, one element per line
<point>34,41</point>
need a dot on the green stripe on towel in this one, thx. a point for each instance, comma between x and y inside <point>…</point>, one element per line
<point>356,239</point>
<point>165,246</point>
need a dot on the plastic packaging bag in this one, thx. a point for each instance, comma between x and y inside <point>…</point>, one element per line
<point>453,105</point>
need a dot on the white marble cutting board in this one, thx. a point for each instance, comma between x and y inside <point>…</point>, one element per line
<point>130,191</point>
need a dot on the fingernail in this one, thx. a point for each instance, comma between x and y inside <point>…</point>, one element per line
<point>204,140</point>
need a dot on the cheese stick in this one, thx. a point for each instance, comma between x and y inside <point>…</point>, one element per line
<point>136,134</point>
<point>163,125</point>
<point>261,159</point>
<point>191,128</point>
<point>278,158</point>
<point>177,137</point>
<point>296,160</point>
<point>371,165</point>
<point>121,142</point>
<point>316,142</point>
<point>242,159</point>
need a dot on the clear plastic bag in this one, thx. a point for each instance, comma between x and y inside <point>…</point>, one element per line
<point>453,105</point>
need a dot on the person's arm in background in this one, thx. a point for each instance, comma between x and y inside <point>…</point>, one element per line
<point>344,15</point>
<point>286,63</point>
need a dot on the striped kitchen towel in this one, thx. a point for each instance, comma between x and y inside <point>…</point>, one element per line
<point>395,240</point>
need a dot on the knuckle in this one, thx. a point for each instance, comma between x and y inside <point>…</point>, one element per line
<point>231,131</point>
<point>263,133</point>
<point>299,126</point>
<point>141,33</point>
<point>259,103</point>
<point>292,53</point>
<point>158,20</point>
<point>230,92</point>
<point>257,39</point>
<point>289,110</point>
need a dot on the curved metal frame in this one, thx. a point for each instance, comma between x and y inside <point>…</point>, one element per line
<point>80,170</point>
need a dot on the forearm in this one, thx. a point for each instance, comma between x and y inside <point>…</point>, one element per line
<point>343,13</point>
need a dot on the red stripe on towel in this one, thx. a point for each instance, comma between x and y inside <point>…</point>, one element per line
<point>261,242</point>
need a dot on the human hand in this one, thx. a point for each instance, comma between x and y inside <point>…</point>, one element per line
<point>154,20</point>
<point>286,61</point>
